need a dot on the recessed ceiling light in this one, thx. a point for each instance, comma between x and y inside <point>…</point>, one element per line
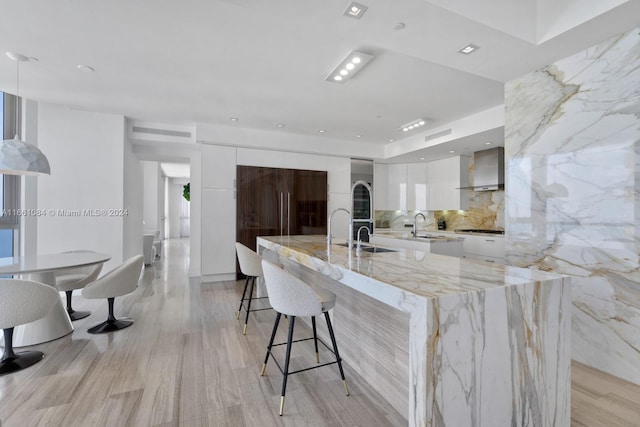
<point>349,67</point>
<point>468,49</point>
<point>392,140</point>
<point>358,136</point>
<point>487,143</point>
<point>279,125</point>
<point>421,158</point>
<point>355,10</point>
<point>452,151</point>
<point>233,119</point>
<point>322,131</point>
<point>85,68</point>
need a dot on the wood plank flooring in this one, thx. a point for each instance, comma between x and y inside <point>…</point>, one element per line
<point>185,362</point>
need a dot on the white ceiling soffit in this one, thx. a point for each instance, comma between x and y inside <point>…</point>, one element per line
<point>532,21</point>
<point>176,170</point>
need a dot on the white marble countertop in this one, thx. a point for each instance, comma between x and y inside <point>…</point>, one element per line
<point>423,236</point>
<point>421,273</point>
<point>393,231</point>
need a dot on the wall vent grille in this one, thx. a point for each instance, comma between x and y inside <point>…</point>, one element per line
<point>165,132</point>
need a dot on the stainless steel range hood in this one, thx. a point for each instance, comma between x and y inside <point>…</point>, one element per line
<point>488,171</point>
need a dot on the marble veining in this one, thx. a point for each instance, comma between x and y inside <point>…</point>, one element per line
<point>573,180</point>
<point>488,343</point>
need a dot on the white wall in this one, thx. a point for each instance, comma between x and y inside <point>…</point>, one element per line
<point>195,249</point>
<point>29,184</point>
<point>132,226</point>
<point>86,154</point>
<point>174,203</point>
<point>152,206</point>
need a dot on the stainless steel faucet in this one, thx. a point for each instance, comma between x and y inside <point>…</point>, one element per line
<point>329,225</point>
<point>364,227</point>
<point>415,225</point>
<point>353,189</point>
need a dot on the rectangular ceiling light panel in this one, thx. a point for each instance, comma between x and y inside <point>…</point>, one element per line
<point>350,66</point>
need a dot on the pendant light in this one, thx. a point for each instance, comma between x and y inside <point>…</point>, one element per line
<point>16,156</point>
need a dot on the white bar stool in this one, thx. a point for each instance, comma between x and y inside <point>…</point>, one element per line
<point>250,265</point>
<point>292,297</point>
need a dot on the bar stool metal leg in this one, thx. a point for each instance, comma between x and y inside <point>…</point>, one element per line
<point>292,322</point>
<point>335,350</point>
<point>246,320</point>
<point>244,292</point>
<point>315,337</point>
<point>273,336</point>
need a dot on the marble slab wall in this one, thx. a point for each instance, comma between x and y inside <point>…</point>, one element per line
<point>573,192</point>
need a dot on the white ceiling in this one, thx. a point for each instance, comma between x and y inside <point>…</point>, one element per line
<point>176,170</point>
<point>264,62</point>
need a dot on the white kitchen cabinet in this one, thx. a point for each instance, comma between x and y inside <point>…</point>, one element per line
<point>218,234</point>
<point>417,186</point>
<point>401,186</point>
<point>397,187</point>
<point>484,248</point>
<point>218,166</point>
<point>381,187</point>
<point>338,174</point>
<point>444,179</point>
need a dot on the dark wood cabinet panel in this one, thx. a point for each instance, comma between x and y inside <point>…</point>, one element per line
<point>275,201</point>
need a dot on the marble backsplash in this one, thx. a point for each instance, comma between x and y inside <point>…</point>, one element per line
<point>572,149</point>
<point>486,211</point>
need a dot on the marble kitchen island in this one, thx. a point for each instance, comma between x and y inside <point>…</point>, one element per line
<point>447,341</point>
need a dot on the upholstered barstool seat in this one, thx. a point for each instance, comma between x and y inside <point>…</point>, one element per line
<point>251,266</point>
<point>22,301</point>
<point>293,297</point>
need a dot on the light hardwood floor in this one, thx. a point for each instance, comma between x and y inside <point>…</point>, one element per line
<point>185,362</point>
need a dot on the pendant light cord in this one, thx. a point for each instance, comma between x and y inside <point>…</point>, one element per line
<point>17,99</point>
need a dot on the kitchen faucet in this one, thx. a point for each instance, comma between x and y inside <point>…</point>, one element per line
<point>330,218</point>
<point>370,220</point>
<point>358,250</point>
<point>415,225</point>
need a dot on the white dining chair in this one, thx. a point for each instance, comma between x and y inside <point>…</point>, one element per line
<point>118,282</point>
<point>22,301</point>
<point>71,279</point>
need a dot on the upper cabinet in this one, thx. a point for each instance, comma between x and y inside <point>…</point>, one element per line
<point>444,178</point>
<point>397,186</point>
<point>381,187</point>
<point>417,196</point>
<point>400,186</point>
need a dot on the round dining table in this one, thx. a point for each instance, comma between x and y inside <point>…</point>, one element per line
<point>42,268</point>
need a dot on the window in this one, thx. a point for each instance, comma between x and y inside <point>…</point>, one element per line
<point>9,184</point>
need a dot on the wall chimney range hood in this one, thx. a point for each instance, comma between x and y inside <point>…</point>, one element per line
<point>488,171</point>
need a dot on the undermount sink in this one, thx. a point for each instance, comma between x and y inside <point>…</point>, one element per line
<point>372,249</point>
